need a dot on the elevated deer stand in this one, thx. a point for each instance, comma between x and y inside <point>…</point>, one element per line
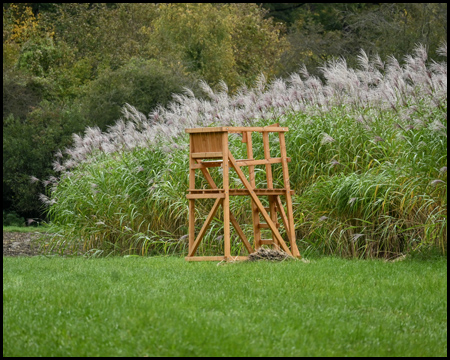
<point>212,143</point>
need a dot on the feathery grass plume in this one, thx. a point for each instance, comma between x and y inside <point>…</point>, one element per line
<point>385,122</point>
<point>326,139</point>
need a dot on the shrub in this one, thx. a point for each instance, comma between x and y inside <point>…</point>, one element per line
<point>143,83</point>
<point>21,93</point>
<point>12,219</point>
<point>28,147</point>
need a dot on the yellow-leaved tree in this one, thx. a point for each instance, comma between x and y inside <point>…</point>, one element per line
<point>229,42</point>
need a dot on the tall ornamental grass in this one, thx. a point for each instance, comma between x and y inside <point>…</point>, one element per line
<point>369,164</point>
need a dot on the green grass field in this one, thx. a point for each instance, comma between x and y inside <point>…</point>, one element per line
<point>27,229</point>
<point>164,306</point>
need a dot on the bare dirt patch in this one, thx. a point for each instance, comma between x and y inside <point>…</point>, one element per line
<point>20,244</point>
<point>26,244</point>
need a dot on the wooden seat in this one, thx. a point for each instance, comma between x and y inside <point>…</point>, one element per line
<point>209,148</point>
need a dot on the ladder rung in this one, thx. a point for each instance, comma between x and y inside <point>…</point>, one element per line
<point>266,226</point>
<point>266,242</point>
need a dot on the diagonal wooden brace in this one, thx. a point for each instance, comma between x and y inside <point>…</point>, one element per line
<point>287,226</point>
<point>241,233</point>
<point>283,216</point>
<point>205,226</point>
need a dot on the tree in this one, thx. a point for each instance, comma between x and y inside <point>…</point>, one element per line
<point>143,83</point>
<point>230,42</point>
<point>325,31</point>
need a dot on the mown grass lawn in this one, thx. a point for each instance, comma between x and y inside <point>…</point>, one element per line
<point>23,229</point>
<point>165,306</point>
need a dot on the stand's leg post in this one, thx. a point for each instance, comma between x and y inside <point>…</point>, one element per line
<point>267,157</point>
<point>255,214</point>
<point>273,214</point>
<point>226,201</point>
<point>191,201</point>
<point>191,223</point>
<point>287,186</point>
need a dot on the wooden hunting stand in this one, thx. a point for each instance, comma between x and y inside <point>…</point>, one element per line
<point>212,143</point>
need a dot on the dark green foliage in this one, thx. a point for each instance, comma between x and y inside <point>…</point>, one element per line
<point>39,56</point>
<point>28,148</point>
<point>12,219</point>
<point>21,93</point>
<point>142,83</point>
<point>321,32</point>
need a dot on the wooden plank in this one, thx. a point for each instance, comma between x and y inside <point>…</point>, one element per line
<point>241,192</point>
<point>273,214</point>
<point>206,142</point>
<point>260,162</point>
<point>207,176</point>
<point>267,242</point>
<point>205,227</point>
<point>206,155</point>
<point>240,162</point>
<point>204,165</point>
<point>191,201</point>
<point>205,190</point>
<point>244,191</point>
<point>267,157</point>
<point>204,258</point>
<point>259,204</point>
<point>215,258</point>
<point>205,196</point>
<point>257,129</point>
<point>226,201</point>
<point>204,130</point>
<point>191,223</point>
<point>272,207</point>
<point>241,233</point>
<point>266,144</point>
<point>258,192</point>
<point>210,181</point>
<point>287,186</point>
<point>266,226</point>
<point>237,129</point>
<point>283,216</point>
<point>255,215</point>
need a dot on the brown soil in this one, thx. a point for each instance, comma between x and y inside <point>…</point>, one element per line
<point>22,244</point>
<point>269,254</point>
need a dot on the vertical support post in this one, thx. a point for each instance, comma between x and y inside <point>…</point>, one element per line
<point>251,170</point>
<point>265,135</point>
<point>272,208</point>
<point>226,200</point>
<point>191,201</point>
<point>287,186</point>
